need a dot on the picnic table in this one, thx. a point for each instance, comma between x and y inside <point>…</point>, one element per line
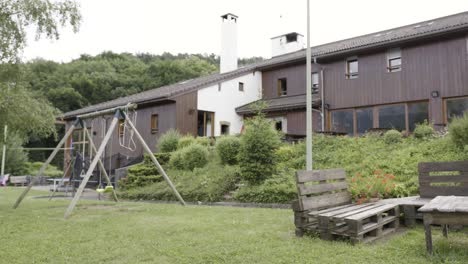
<point>444,210</point>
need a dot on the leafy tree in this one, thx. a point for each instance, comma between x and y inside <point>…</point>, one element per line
<point>46,16</point>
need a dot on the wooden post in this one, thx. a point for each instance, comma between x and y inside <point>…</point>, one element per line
<point>155,161</point>
<point>44,166</point>
<point>427,231</point>
<point>92,166</point>
<point>92,148</point>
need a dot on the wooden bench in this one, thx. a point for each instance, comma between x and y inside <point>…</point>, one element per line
<point>19,180</point>
<point>435,179</point>
<point>324,206</point>
<point>318,190</point>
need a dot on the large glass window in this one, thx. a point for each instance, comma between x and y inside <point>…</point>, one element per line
<point>392,117</point>
<point>365,120</point>
<point>417,113</point>
<point>456,107</point>
<point>342,121</point>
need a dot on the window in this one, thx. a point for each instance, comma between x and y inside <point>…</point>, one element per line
<point>456,107</point>
<point>154,124</point>
<point>392,117</point>
<point>121,127</point>
<point>291,37</point>
<point>279,125</point>
<point>315,82</point>
<point>224,128</point>
<point>241,86</point>
<point>343,121</point>
<point>352,68</point>
<point>282,87</point>
<point>219,87</point>
<point>205,121</point>
<point>417,114</point>
<point>394,60</point>
<point>364,119</point>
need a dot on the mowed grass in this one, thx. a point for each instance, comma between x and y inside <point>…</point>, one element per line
<point>127,232</point>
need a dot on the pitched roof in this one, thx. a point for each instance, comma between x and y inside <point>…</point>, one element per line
<point>282,103</point>
<point>164,92</point>
<point>417,31</point>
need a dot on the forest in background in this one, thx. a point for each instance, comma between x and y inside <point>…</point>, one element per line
<point>94,79</point>
<point>90,80</point>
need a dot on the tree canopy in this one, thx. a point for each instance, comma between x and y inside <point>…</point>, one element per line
<point>44,15</point>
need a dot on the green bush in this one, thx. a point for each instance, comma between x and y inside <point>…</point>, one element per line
<point>140,175</point>
<point>257,150</point>
<point>204,141</point>
<point>188,158</point>
<point>227,148</point>
<point>163,158</point>
<point>458,130</point>
<point>209,184</point>
<point>51,170</point>
<point>423,130</point>
<point>177,160</point>
<point>392,136</point>
<point>168,141</point>
<point>15,158</point>
<point>278,189</point>
<point>185,141</point>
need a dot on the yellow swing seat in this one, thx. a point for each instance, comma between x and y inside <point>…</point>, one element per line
<point>107,189</point>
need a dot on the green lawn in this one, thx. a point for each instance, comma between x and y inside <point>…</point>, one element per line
<point>160,233</point>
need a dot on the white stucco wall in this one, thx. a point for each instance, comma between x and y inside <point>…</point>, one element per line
<point>280,46</point>
<point>224,102</point>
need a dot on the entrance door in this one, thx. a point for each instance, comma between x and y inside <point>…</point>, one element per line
<point>205,124</point>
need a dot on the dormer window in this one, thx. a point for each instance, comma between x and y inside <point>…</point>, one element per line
<point>291,37</point>
<point>282,87</point>
<point>352,68</point>
<point>394,60</point>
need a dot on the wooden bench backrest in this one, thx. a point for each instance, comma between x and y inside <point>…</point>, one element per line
<point>321,189</point>
<point>443,179</point>
<point>18,179</point>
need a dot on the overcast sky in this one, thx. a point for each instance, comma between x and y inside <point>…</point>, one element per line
<point>193,26</point>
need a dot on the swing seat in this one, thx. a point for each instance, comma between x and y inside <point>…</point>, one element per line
<point>107,189</point>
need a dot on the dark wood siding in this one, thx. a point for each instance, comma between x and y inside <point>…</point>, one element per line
<point>297,124</point>
<point>438,66</point>
<point>435,66</point>
<point>295,76</point>
<point>166,113</point>
<point>186,113</point>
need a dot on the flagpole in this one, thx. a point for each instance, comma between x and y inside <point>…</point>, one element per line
<point>308,96</point>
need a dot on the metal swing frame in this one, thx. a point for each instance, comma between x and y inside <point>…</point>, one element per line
<point>119,113</point>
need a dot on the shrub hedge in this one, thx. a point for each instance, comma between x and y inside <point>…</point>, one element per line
<point>189,158</point>
<point>168,141</point>
<point>458,130</point>
<point>227,148</point>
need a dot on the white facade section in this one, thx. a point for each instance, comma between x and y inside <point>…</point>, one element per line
<point>228,58</point>
<point>286,44</point>
<point>224,101</point>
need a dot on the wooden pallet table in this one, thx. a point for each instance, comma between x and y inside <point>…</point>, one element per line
<point>358,223</point>
<point>444,210</point>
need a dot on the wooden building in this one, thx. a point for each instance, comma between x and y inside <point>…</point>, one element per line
<point>395,78</point>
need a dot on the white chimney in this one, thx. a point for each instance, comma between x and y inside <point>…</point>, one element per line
<point>228,43</point>
<point>286,43</point>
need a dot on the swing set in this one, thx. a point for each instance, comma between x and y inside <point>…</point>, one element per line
<point>120,113</point>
